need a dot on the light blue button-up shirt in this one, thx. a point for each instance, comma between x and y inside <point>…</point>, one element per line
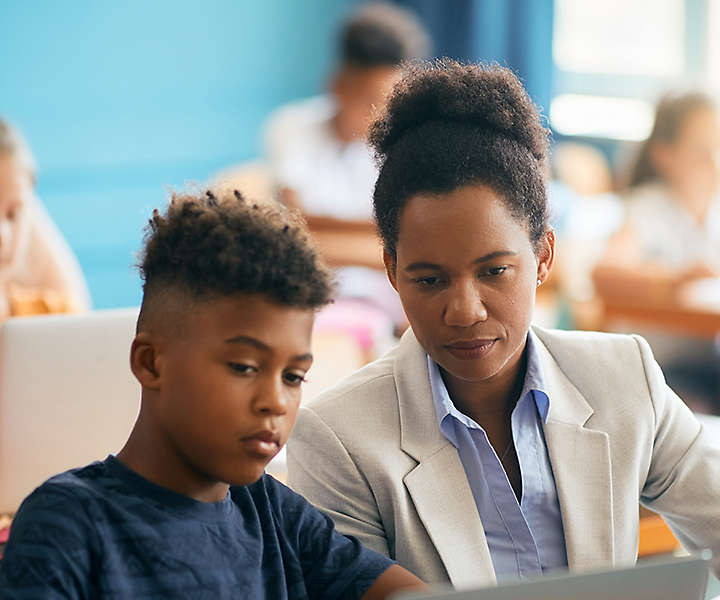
<point>526,538</point>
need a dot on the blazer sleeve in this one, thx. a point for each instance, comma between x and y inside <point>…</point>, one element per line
<point>321,469</point>
<point>682,483</point>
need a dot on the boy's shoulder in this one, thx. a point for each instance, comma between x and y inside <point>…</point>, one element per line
<point>70,488</point>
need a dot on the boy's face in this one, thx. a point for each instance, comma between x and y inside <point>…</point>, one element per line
<point>229,385</point>
<point>359,92</point>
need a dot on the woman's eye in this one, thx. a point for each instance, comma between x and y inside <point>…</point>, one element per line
<point>294,379</point>
<point>242,368</point>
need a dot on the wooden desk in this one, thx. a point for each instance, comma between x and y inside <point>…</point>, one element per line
<point>346,243</point>
<point>695,311</point>
<point>698,322</point>
<point>342,248</point>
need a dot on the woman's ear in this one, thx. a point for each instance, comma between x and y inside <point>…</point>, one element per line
<point>145,361</point>
<point>545,255</point>
<point>390,268</point>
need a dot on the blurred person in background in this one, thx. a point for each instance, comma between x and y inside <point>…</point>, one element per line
<point>38,271</point>
<point>318,156</point>
<point>585,214</point>
<point>316,148</point>
<point>671,233</point>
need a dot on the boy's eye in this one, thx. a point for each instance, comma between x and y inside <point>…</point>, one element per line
<point>242,368</point>
<point>294,379</point>
<point>429,281</point>
<point>497,270</point>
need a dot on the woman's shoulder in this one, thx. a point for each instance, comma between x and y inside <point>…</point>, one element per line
<point>602,351</point>
<point>370,395</point>
<point>371,381</point>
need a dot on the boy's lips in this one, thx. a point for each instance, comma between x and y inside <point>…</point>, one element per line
<point>265,442</point>
<point>470,349</point>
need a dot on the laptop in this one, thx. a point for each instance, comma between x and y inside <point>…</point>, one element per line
<point>67,395</point>
<point>676,579</point>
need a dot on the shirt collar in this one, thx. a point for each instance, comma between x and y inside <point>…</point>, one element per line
<point>534,385</point>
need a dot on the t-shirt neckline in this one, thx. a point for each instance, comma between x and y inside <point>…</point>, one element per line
<point>169,499</point>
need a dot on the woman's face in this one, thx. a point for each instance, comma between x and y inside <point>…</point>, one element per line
<point>691,163</point>
<point>466,273</point>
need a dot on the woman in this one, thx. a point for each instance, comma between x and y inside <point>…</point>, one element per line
<point>38,271</point>
<point>481,448</point>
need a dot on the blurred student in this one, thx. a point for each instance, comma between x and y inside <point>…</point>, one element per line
<point>318,155</point>
<point>316,148</point>
<point>38,271</point>
<point>672,228</point>
<point>185,509</point>
<point>671,234</point>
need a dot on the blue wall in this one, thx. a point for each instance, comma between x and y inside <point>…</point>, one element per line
<point>514,33</point>
<point>118,99</point>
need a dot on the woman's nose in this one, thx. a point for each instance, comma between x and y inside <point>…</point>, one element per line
<point>465,306</point>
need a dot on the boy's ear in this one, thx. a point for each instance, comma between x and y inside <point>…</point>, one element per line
<point>545,255</point>
<point>144,360</point>
<point>390,268</point>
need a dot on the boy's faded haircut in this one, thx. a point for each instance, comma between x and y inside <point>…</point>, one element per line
<point>208,245</point>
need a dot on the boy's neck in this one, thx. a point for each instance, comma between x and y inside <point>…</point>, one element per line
<point>147,455</point>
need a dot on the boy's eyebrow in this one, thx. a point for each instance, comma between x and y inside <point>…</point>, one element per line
<point>256,343</point>
<point>418,266</point>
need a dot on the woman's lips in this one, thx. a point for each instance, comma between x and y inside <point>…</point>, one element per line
<point>470,349</point>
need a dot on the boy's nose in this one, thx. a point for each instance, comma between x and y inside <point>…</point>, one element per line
<point>465,306</point>
<point>270,397</point>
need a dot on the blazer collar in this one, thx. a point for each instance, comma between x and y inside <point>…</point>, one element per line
<point>420,435</point>
<point>580,459</point>
<point>438,485</point>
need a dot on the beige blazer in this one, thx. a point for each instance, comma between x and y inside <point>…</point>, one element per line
<point>369,453</point>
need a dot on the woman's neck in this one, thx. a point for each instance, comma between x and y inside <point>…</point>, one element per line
<point>492,399</point>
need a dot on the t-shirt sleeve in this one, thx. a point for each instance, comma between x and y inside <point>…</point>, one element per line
<point>48,554</point>
<point>333,565</point>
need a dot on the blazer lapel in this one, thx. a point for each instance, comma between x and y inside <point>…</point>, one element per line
<point>438,485</point>
<point>580,459</point>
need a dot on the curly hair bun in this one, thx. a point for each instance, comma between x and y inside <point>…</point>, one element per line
<point>488,97</point>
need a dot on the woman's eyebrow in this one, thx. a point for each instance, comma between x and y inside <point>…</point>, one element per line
<point>496,254</point>
<point>418,266</point>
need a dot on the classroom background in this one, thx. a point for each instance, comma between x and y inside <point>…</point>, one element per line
<point>121,101</point>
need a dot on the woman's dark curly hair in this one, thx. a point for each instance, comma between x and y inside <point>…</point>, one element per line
<point>206,245</point>
<point>447,125</point>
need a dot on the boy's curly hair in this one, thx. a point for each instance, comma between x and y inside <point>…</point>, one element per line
<point>210,245</point>
<point>447,125</point>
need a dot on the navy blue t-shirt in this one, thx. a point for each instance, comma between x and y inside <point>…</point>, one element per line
<point>105,531</point>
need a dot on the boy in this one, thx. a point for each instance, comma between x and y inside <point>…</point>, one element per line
<point>185,510</point>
